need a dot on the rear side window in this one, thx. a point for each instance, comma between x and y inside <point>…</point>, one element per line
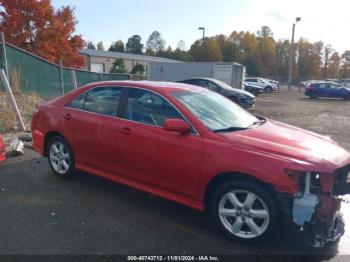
<point>78,102</point>
<point>103,100</point>
<point>191,81</point>
<point>149,108</point>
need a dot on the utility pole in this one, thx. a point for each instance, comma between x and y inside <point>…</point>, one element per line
<point>203,29</point>
<point>291,56</point>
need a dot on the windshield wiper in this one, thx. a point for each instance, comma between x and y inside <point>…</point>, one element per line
<point>259,122</point>
<point>229,129</point>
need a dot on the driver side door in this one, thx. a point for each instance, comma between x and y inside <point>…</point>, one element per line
<point>150,155</point>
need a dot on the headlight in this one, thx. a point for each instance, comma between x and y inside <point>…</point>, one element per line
<point>299,178</point>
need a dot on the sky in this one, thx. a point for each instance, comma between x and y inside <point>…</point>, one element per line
<point>111,20</point>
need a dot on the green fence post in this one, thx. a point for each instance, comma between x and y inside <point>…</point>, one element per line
<point>4,57</point>
<point>61,77</point>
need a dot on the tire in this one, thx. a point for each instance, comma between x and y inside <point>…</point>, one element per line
<point>268,89</point>
<point>240,212</point>
<point>347,97</point>
<point>313,95</point>
<point>61,158</point>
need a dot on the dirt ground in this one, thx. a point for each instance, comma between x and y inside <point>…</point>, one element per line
<point>26,104</point>
<point>330,117</point>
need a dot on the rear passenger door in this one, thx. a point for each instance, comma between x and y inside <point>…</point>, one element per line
<point>91,121</point>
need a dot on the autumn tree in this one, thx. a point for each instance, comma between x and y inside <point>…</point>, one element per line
<point>118,66</point>
<point>328,52</point>
<point>117,46</point>
<point>155,42</point>
<point>249,53</point>
<point>282,58</point>
<point>39,28</point>
<point>207,51</point>
<point>229,50</point>
<point>345,65</point>
<point>334,65</point>
<point>266,52</point>
<point>134,45</point>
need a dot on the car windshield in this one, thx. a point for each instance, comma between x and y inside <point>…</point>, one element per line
<point>215,111</point>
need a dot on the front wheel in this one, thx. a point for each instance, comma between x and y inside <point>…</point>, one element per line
<point>61,157</point>
<point>244,211</point>
<point>268,89</point>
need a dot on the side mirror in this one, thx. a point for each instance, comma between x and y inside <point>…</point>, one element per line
<point>176,125</point>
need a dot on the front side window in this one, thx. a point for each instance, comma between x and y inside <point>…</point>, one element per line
<point>215,111</point>
<point>103,100</point>
<point>149,108</point>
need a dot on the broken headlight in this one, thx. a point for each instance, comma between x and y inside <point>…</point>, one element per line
<point>299,178</point>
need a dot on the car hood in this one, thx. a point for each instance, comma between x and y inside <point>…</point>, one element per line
<point>293,144</point>
<point>236,91</point>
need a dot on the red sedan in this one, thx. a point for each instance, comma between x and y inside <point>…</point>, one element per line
<point>197,148</point>
<point>2,150</point>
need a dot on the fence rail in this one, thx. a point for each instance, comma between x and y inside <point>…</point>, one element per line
<point>31,73</point>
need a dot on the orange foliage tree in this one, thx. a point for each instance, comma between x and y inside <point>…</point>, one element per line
<point>37,27</point>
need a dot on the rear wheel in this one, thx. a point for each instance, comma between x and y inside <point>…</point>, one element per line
<point>244,211</point>
<point>313,95</point>
<point>60,156</point>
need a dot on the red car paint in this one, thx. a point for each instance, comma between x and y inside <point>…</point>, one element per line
<point>2,150</point>
<point>176,166</point>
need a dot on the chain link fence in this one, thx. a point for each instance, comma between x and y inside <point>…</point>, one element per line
<point>30,73</point>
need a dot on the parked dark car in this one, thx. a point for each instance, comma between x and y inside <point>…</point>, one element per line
<point>241,97</point>
<point>326,89</point>
<point>254,89</point>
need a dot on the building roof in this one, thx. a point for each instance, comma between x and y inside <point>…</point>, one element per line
<point>109,54</point>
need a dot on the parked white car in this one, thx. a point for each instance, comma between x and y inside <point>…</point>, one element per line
<point>257,81</point>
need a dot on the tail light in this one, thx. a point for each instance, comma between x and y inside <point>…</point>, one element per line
<point>309,87</point>
<point>2,150</point>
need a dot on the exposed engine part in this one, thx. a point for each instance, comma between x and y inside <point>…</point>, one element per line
<point>304,207</point>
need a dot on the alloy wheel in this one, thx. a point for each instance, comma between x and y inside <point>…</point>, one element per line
<point>59,157</point>
<point>243,214</point>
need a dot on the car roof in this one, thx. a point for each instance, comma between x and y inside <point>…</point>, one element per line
<point>161,87</point>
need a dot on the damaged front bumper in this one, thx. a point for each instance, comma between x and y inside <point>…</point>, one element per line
<point>315,210</point>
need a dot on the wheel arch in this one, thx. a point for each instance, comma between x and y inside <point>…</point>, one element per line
<point>222,178</point>
<point>48,137</point>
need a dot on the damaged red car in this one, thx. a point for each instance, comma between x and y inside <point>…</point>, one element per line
<point>197,148</point>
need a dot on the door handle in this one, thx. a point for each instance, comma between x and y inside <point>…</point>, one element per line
<point>126,130</point>
<point>67,116</point>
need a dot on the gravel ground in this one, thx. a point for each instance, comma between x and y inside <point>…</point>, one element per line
<point>26,104</point>
<point>41,214</point>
